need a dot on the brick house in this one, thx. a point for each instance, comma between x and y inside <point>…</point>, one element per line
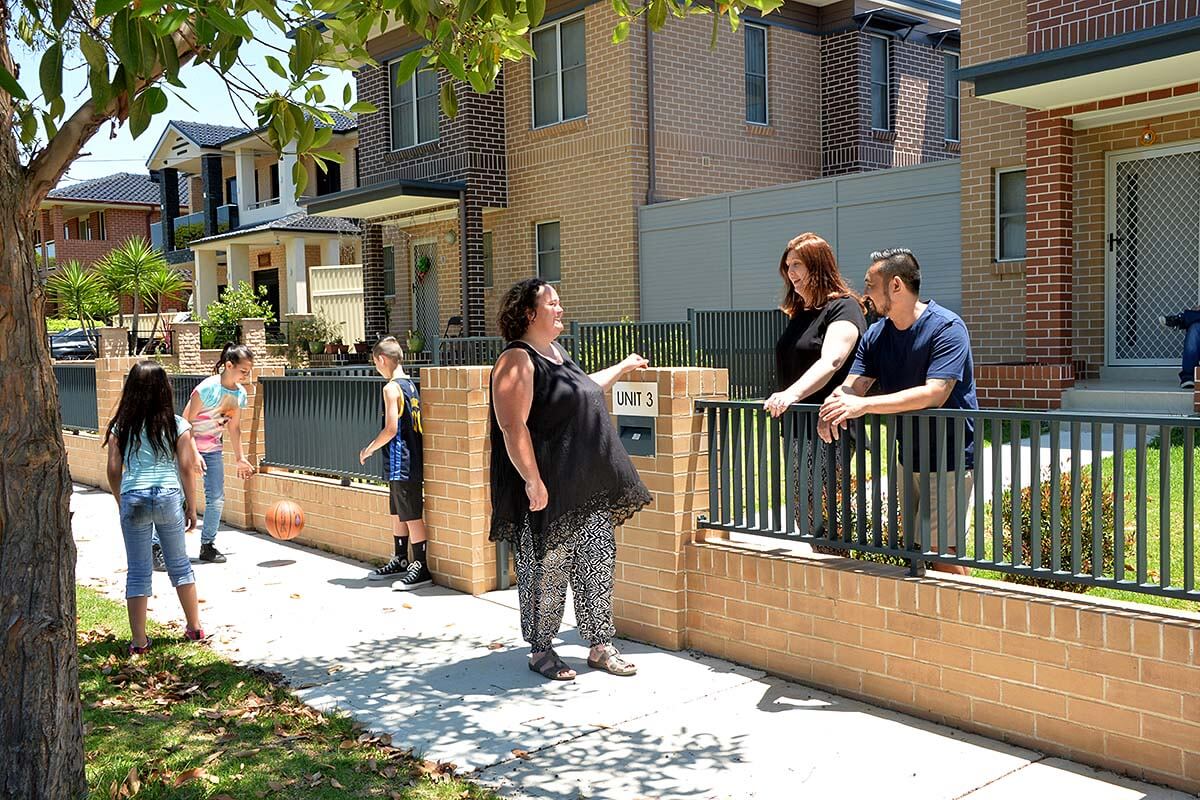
<point>546,174</point>
<point>247,223</point>
<point>1081,198</point>
<point>85,221</point>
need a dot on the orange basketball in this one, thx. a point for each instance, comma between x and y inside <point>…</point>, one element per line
<point>285,520</point>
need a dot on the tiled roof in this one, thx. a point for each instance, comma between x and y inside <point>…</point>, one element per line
<point>342,122</point>
<point>124,187</point>
<point>205,135</point>
<point>298,222</point>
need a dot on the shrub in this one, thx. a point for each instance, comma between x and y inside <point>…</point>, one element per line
<point>186,234</point>
<point>234,305</point>
<point>1086,511</point>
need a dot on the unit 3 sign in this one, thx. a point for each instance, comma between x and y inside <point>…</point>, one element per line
<point>632,399</point>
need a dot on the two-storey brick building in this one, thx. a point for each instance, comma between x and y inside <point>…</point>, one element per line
<point>1081,194</point>
<point>544,176</point>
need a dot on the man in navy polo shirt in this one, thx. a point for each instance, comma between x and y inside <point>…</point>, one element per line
<point>920,355</point>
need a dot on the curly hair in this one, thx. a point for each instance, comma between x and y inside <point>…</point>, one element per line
<point>518,301</point>
<point>825,281</point>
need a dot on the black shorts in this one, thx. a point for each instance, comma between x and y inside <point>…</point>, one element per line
<point>407,500</point>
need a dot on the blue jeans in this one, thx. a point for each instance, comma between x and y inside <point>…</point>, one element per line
<point>1191,345</point>
<point>153,513</point>
<point>214,495</point>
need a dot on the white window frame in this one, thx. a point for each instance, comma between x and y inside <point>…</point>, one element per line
<point>411,86</point>
<point>85,228</point>
<point>537,249</point>
<point>557,25</point>
<point>952,92</point>
<point>887,62</point>
<point>766,72</point>
<point>996,216</point>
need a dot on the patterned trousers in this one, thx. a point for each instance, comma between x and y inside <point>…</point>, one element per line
<point>587,563</point>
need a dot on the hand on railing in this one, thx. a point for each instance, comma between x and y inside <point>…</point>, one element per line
<point>841,407</point>
<point>778,403</point>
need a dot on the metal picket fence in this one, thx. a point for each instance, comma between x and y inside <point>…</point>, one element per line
<point>77,395</point>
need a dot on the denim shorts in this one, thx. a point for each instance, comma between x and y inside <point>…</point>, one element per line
<point>145,512</point>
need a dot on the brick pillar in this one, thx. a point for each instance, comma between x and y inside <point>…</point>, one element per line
<point>254,336</point>
<point>112,365</point>
<point>212,179</point>
<point>114,343</point>
<point>374,305</point>
<point>185,341</point>
<point>650,598</point>
<point>1049,182</point>
<point>454,413</point>
<point>168,193</point>
<point>474,312</point>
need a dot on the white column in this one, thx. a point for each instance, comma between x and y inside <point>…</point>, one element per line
<point>287,186</point>
<point>237,264</point>
<point>297,276</point>
<point>204,281</point>
<point>331,253</point>
<point>247,191</point>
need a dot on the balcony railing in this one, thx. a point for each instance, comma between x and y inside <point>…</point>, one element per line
<point>226,215</point>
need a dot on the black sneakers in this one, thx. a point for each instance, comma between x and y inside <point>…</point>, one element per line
<point>160,563</point>
<point>210,553</point>
<point>416,576</point>
<point>397,566</point>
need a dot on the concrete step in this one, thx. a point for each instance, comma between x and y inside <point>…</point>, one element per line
<point>1134,398</point>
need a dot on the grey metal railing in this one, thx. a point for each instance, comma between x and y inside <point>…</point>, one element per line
<point>601,344</point>
<point>182,386</point>
<point>742,342</point>
<point>77,395</point>
<point>318,423</point>
<point>1053,498</point>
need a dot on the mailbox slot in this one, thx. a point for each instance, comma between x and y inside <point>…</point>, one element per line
<point>637,434</point>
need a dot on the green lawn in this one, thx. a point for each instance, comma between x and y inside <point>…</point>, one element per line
<point>182,722</point>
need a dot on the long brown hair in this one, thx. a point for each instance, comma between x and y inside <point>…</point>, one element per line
<point>824,279</point>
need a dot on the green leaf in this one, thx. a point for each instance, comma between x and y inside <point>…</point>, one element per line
<point>170,60</point>
<point>299,177</point>
<point>621,33</point>
<point>102,93</point>
<point>9,84</point>
<point>536,9</point>
<point>362,107</point>
<point>93,51</point>
<point>155,99</point>
<point>60,10</point>
<point>657,16</point>
<point>408,66</point>
<point>277,68</point>
<point>171,22</point>
<point>28,127</point>
<point>234,26</point>
<point>346,95</point>
<point>478,82</point>
<point>107,7</point>
<point>51,72</point>
<point>449,100</point>
<point>123,41</point>
<point>453,64</point>
<point>139,116</point>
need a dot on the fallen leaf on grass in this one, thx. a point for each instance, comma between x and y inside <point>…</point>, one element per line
<point>334,783</point>
<point>348,744</point>
<point>275,786</point>
<point>189,775</point>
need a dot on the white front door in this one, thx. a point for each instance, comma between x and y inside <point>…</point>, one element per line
<point>1152,251</point>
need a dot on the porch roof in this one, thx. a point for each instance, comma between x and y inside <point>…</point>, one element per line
<point>397,196</point>
<point>268,233</point>
<point>1139,61</point>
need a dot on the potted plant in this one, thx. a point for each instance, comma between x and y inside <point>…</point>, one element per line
<point>342,347</point>
<point>331,348</point>
<point>416,341</point>
<point>316,346</point>
<point>361,347</point>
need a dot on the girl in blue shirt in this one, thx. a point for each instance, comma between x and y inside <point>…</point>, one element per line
<point>153,446</point>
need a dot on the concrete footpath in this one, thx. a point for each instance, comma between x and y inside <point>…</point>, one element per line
<point>446,674</point>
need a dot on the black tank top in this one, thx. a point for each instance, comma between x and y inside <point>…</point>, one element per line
<point>579,456</point>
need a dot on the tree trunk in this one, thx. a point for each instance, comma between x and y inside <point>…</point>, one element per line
<point>41,734</point>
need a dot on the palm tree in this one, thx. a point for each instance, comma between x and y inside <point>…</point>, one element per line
<point>162,284</point>
<point>79,291</point>
<point>127,271</point>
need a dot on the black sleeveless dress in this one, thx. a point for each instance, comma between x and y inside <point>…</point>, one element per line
<point>581,460</point>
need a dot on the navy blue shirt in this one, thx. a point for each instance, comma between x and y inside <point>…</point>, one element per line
<point>936,346</point>
<point>402,456</point>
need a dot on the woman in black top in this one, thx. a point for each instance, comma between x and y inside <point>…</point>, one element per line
<point>561,480</point>
<point>816,350</point>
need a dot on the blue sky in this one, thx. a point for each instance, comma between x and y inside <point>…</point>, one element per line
<point>205,91</point>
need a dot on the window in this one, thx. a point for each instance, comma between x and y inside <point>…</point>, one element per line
<point>330,180</point>
<point>85,228</point>
<point>756,74</point>
<point>951,72</point>
<point>881,90</point>
<point>66,231</point>
<point>1010,215</point>
<point>101,226</point>
<point>275,181</point>
<point>389,271</point>
<point>549,262</point>
<point>231,191</point>
<point>414,108</point>
<point>559,73</point>
<point>487,260</point>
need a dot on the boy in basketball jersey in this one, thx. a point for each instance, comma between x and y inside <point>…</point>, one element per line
<point>400,440</point>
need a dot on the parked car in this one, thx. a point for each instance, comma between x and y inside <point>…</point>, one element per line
<point>72,343</point>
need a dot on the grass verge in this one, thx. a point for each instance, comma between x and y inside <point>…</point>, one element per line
<point>183,722</point>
